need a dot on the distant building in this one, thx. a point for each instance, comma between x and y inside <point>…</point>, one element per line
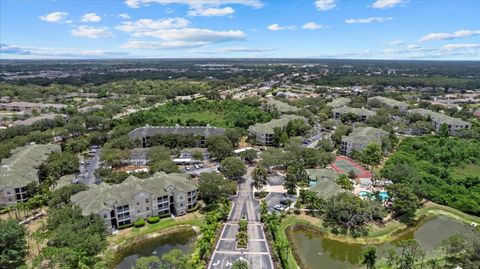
<point>202,132</point>
<point>28,107</point>
<point>21,169</point>
<point>387,102</point>
<point>263,133</point>
<point>362,113</point>
<point>339,102</point>
<point>323,182</point>
<point>122,204</point>
<point>360,138</point>
<point>279,106</point>
<point>454,124</point>
<point>32,120</point>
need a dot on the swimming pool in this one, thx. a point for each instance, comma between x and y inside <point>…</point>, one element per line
<point>383,194</point>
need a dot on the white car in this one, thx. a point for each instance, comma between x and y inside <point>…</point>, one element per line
<point>279,207</point>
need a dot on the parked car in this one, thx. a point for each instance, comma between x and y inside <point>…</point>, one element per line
<point>279,207</point>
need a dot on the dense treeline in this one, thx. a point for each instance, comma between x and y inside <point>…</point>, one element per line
<point>442,169</point>
<point>226,113</point>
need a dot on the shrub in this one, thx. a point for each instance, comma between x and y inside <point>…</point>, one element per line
<point>125,226</point>
<point>139,223</point>
<point>154,219</point>
<point>195,208</point>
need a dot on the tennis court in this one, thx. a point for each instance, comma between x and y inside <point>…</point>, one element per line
<point>344,164</point>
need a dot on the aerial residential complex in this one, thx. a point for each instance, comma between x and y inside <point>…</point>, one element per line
<point>263,133</point>
<point>361,137</point>
<point>201,132</point>
<point>454,125</point>
<point>390,103</point>
<point>122,204</point>
<point>21,169</point>
<point>362,113</point>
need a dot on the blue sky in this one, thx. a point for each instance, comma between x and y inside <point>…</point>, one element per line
<point>356,29</point>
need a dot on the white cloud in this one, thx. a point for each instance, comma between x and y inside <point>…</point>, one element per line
<point>208,12</point>
<point>447,36</point>
<point>467,46</point>
<point>142,26</point>
<point>138,44</point>
<point>91,32</point>
<point>54,16</point>
<point>195,3</point>
<point>57,52</point>
<point>395,42</point>
<point>277,27</point>
<point>382,4</point>
<point>323,5</point>
<point>124,16</point>
<point>196,35</point>
<point>90,17</point>
<point>369,20</point>
<point>312,26</point>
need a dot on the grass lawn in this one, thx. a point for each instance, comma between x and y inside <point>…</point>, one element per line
<point>469,170</point>
<point>208,117</point>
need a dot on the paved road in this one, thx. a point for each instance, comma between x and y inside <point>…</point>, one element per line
<point>88,175</point>
<point>257,254</point>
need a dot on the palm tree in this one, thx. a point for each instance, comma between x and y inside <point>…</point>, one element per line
<point>240,264</point>
<point>259,176</point>
<point>370,257</point>
<point>433,263</point>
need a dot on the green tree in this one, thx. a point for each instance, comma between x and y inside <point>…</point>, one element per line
<point>149,262</point>
<point>248,155</point>
<point>175,259</point>
<point>344,182</point>
<point>405,202</point>
<point>212,188</point>
<point>219,147</point>
<point>233,168</point>
<point>372,154</point>
<point>296,127</point>
<point>13,246</point>
<point>409,253</point>
<point>370,257</point>
<point>339,132</point>
<point>443,130</point>
<point>240,264</point>
<point>259,176</point>
<point>197,155</point>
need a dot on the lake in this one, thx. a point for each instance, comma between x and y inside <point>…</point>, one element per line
<point>317,252</point>
<point>184,241</point>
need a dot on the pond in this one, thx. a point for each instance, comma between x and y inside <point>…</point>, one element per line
<point>156,247</point>
<point>317,252</point>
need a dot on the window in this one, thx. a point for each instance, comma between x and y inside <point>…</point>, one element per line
<point>104,215</point>
<point>138,203</point>
<point>148,208</point>
<point>146,200</point>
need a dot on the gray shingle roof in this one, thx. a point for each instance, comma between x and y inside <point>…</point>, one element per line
<point>326,185</point>
<point>268,127</point>
<point>21,167</point>
<point>389,102</point>
<point>148,131</point>
<point>354,110</point>
<point>338,102</point>
<point>365,135</point>
<point>281,106</point>
<point>439,117</point>
<point>93,200</point>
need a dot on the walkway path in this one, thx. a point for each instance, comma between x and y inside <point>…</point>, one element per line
<point>258,253</point>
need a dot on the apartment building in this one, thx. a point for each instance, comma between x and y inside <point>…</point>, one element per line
<point>274,105</point>
<point>387,102</point>
<point>454,124</point>
<point>339,102</point>
<point>201,132</point>
<point>122,204</point>
<point>21,169</point>
<point>360,138</point>
<point>362,113</point>
<point>263,133</point>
